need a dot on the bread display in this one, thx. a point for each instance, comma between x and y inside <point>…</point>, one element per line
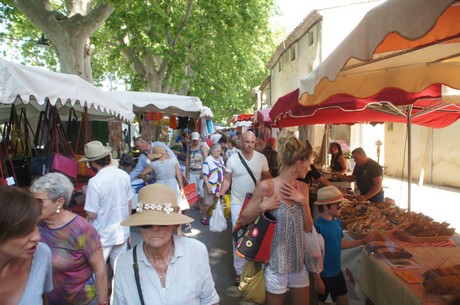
<point>445,280</point>
<point>406,226</point>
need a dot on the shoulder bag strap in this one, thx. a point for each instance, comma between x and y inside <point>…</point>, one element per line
<point>136,275</point>
<point>247,168</point>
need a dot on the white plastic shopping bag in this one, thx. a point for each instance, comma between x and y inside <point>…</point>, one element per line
<point>315,251</point>
<point>218,223</point>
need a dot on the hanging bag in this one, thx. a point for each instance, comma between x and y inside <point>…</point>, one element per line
<point>17,147</point>
<point>314,255</point>
<point>217,222</point>
<point>190,193</point>
<point>252,283</point>
<point>84,136</point>
<point>64,162</point>
<point>40,164</point>
<point>253,241</point>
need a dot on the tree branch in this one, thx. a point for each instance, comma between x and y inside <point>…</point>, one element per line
<point>188,13</point>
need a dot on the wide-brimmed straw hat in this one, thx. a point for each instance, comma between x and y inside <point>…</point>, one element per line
<point>157,205</point>
<point>329,195</point>
<point>157,152</point>
<point>94,150</point>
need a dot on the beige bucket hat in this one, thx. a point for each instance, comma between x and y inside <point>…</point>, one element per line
<point>94,150</point>
<point>157,152</point>
<point>157,206</point>
<point>329,195</point>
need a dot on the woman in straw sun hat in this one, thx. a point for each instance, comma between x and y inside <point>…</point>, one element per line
<point>164,260</point>
<point>330,284</point>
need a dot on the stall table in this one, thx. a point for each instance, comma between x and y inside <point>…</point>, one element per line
<point>378,281</point>
<point>343,184</point>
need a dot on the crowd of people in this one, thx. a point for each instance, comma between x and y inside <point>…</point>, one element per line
<point>60,257</point>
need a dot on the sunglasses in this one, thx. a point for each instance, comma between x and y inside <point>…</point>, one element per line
<point>145,227</point>
<point>339,206</point>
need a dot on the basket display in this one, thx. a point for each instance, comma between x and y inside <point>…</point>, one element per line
<point>355,235</point>
<point>346,222</point>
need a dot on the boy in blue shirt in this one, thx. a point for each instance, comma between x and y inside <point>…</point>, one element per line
<point>330,284</point>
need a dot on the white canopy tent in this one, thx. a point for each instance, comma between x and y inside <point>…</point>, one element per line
<point>168,104</point>
<point>31,87</point>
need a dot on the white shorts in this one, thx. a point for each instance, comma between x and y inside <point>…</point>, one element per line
<point>278,283</point>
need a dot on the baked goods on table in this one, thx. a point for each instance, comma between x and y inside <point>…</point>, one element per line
<point>406,226</point>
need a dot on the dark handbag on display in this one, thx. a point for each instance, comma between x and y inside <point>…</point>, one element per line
<point>40,165</point>
<point>253,241</point>
<point>17,149</point>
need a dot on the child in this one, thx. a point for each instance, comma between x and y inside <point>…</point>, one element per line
<point>330,284</point>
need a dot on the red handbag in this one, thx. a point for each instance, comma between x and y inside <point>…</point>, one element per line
<point>254,240</point>
<point>61,163</point>
<point>67,166</point>
<point>190,193</point>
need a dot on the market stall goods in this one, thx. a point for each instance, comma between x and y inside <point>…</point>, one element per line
<point>445,280</point>
<point>363,218</point>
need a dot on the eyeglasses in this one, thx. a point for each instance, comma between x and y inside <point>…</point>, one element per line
<point>339,206</point>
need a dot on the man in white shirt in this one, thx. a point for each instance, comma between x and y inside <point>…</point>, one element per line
<point>239,178</point>
<point>108,200</point>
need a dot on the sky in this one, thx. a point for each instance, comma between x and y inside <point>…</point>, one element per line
<point>294,11</point>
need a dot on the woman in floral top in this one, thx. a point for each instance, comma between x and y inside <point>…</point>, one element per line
<point>79,275</point>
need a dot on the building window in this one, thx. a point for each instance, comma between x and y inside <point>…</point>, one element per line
<point>294,51</point>
<point>310,38</point>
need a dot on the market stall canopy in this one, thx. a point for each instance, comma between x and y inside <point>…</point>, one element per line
<point>408,44</point>
<point>263,117</point>
<point>427,109</point>
<point>206,113</point>
<point>32,87</point>
<point>168,104</point>
<point>243,117</point>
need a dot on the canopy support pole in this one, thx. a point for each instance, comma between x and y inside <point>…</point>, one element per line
<point>409,156</point>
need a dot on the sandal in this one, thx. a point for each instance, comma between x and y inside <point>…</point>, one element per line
<point>187,228</point>
<point>204,221</point>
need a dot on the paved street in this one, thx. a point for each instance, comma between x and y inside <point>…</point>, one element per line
<point>438,202</point>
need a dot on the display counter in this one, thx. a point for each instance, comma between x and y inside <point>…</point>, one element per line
<point>379,281</point>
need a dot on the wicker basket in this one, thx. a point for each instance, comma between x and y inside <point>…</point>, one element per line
<point>355,235</point>
<point>346,222</point>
